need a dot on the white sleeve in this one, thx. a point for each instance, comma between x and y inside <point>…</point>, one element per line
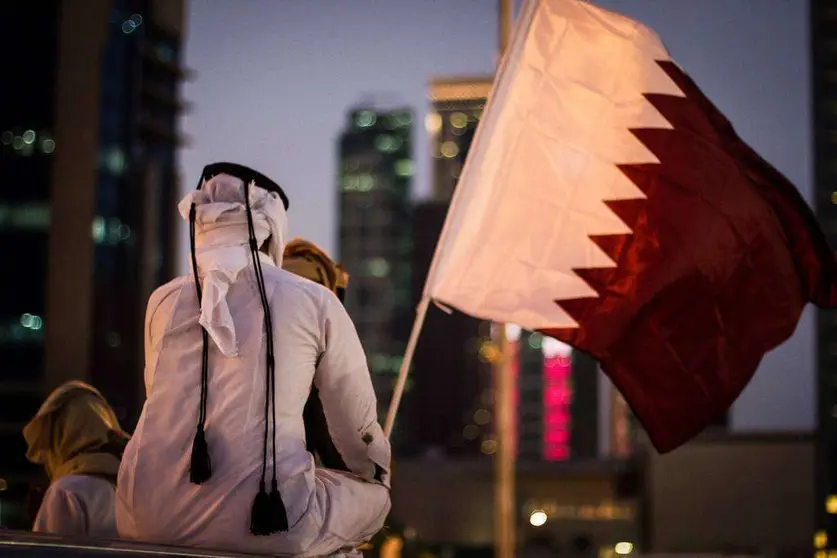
<point>61,513</point>
<point>348,398</point>
<point>160,300</point>
<point>148,373</point>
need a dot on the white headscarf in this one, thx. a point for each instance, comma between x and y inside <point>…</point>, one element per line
<point>221,245</point>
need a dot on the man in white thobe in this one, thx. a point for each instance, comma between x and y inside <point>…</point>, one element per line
<point>210,486</point>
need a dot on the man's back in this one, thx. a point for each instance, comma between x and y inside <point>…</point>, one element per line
<point>199,470</point>
<point>218,510</point>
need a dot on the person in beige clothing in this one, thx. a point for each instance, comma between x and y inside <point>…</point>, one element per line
<point>77,438</point>
<point>305,259</point>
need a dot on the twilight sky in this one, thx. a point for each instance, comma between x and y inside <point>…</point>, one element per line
<point>276,77</point>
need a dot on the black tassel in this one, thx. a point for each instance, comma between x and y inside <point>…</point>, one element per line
<point>201,468</point>
<point>260,516</point>
<point>277,508</point>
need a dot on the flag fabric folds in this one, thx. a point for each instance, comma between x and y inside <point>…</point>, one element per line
<point>606,202</point>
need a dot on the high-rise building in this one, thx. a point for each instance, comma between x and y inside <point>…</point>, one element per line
<point>457,107</point>
<point>823,15</point>
<point>87,149</point>
<point>448,408</point>
<point>446,412</point>
<point>375,177</point>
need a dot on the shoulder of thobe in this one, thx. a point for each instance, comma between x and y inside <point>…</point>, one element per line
<point>61,512</point>
<point>348,397</point>
<point>158,299</point>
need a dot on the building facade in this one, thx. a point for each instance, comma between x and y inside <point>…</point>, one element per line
<point>457,106</point>
<point>375,177</point>
<point>88,137</point>
<point>823,15</point>
<point>447,409</point>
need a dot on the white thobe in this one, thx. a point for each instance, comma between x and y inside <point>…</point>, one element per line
<point>315,345</point>
<point>78,505</point>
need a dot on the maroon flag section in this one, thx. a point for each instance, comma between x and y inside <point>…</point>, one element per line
<point>723,256</point>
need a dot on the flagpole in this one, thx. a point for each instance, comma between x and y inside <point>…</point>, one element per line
<point>403,371</point>
<point>504,459</point>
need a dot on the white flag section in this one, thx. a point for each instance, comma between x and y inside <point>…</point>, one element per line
<point>544,161</point>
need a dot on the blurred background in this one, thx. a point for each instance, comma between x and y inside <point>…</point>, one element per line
<point>364,112</point>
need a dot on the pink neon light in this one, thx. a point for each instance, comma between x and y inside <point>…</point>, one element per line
<point>557,397</point>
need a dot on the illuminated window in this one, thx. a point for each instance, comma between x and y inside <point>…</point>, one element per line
<point>831,504</point>
<point>488,447</point>
<point>820,539</point>
<point>131,24</point>
<point>433,123</point>
<point>365,182</point>
<point>449,149</point>
<point>34,216</point>
<point>350,182</point>
<point>47,145</point>
<point>387,143</point>
<point>458,120</point>
<point>365,118</point>
<point>535,340</point>
<point>404,118</point>
<point>28,137</point>
<point>377,267</point>
<point>31,321</point>
<point>114,160</point>
<point>404,168</point>
<point>488,351</point>
<point>27,329</point>
<point>109,231</point>
<point>98,229</point>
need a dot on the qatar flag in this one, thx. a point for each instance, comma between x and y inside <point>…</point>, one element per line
<point>607,203</point>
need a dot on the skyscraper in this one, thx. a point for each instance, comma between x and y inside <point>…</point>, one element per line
<point>88,137</point>
<point>447,410</point>
<point>375,177</point>
<point>823,15</point>
<point>457,107</point>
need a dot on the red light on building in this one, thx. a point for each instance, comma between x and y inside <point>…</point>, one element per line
<point>557,398</point>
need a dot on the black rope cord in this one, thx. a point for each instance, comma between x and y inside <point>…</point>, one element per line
<point>200,469</point>
<point>269,514</point>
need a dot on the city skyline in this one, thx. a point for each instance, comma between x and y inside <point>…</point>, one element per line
<point>267,95</point>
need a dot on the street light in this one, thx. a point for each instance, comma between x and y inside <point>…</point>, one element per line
<point>623,548</point>
<point>537,518</point>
